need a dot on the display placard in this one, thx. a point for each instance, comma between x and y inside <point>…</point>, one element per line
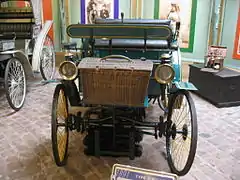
<point>214,59</point>
<point>217,51</point>
<point>123,172</point>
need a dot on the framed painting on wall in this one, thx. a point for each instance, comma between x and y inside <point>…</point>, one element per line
<point>91,9</point>
<point>48,15</point>
<point>183,11</point>
<point>236,50</point>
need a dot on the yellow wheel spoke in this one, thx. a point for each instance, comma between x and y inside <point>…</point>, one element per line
<point>61,109</point>
<point>180,151</point>
<point>62,131</point>
<point>188,139</point>
<point>182,110</point>
<point>62,140</point>
<point>182,119</point>
<point>175,142</point>
<point>63,99</point>
<point>177,156</point>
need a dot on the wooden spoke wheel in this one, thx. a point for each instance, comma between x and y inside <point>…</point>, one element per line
<point>60,130</point>
<point>15,83</point>
<point>181,133</point>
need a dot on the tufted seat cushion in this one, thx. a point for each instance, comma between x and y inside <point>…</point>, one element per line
<point>133,21</point>
<point>132,43</point>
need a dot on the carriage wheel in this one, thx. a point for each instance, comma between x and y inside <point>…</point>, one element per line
<point>15,83</point>
<point>60,131</point>
<point>181,133</point>
<point>47,59</point>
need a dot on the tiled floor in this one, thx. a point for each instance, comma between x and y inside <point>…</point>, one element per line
<point>25,144</point>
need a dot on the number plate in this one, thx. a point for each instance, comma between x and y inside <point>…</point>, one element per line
<point>122,172</point>
<point>6,45</point>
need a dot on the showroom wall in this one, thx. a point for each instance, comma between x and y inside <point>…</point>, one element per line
<point>56,24</point>
<point>201,26</point>
<point>201,32</point>
<point>229,29</point>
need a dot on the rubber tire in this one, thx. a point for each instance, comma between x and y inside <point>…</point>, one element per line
<point>58,88</point>
<point>54,63</point>
<point>72,92</point>
<point>194,130</point>
<point>6,84</point>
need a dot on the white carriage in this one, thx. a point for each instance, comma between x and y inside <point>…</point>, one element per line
<point>25,47</point>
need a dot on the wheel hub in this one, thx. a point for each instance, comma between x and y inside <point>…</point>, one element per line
<point>13,83</point>
<point>74,123</point>
<point>174,131</point>
<point>185,131</point>
<point>70,123</point>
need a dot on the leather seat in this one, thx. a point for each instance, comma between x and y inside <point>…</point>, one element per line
<point>71,45</point>
<point>132,43</point>
<point>133,21</point>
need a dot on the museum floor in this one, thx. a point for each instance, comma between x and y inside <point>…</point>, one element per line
<point>26,153</point>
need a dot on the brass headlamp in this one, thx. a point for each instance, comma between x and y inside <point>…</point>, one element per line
<point>68,70</point>
<point>164,73</point>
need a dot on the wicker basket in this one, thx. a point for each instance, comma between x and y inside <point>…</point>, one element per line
<point>118,81</point>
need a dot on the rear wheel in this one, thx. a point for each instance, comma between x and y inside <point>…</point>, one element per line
<point>181,133</point>
<point>47,59</point>
<point>15,83</point>
<point>60,130</point>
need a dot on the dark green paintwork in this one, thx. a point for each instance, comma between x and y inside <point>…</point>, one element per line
<point>120,31</point>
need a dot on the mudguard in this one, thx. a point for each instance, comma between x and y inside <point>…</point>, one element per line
<point>146,102</point>
<point>39,45</point>
<point>177,65</point>
<point>185,85</point>
<point>72,92</point>
<point>23,59</point>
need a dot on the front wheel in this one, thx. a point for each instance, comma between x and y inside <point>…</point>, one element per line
<point>15,83</point>
<point>60,130</point>
<point>181,133</point>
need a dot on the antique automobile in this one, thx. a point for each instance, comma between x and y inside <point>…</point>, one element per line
<point>106,93</point>
<point>24,49</point>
